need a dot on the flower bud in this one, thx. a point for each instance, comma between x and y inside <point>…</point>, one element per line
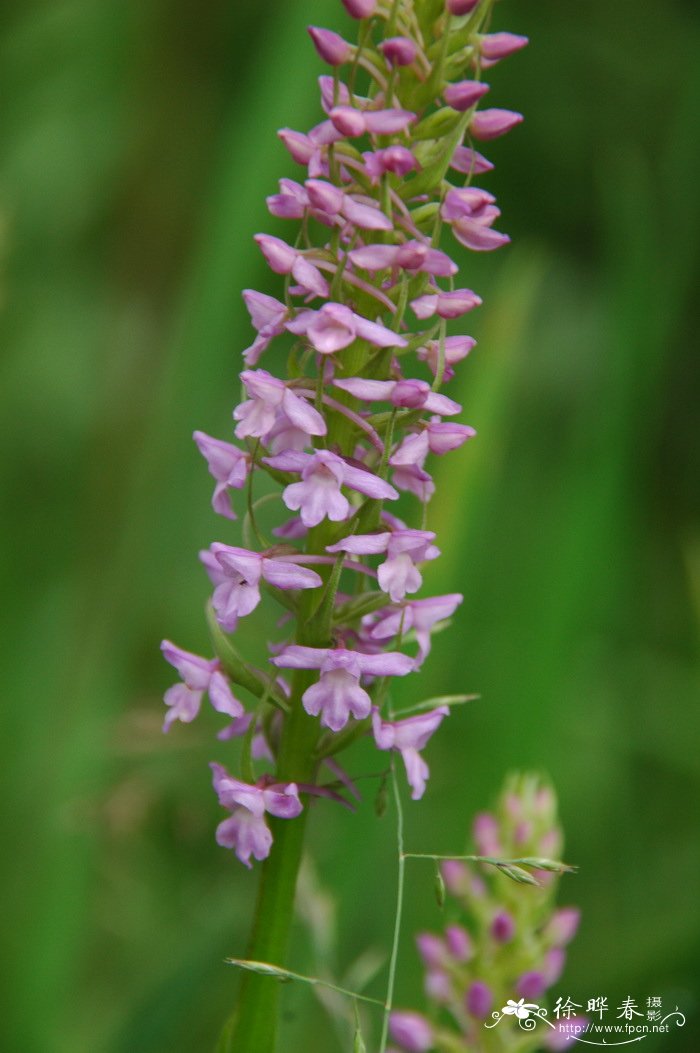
<point>399,51</point>
<point>461,7</point>
<point>464,94</point>
<point>459,943</point>
<point>347,120</point>
<point>562,926</point>
<point>360,8</point>
<point>503,927</point>
<point>330,46</point>
<point>412,1031</point>
<point>479,999</point>
<point>531,985</point>
<point>497,46</point>
<point>490,124</point>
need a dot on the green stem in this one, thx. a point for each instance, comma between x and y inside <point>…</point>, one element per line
<point>253,1027</point>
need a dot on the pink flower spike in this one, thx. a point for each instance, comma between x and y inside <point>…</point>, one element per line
<point>198,675</point>
<point>412,1031</point>
<point>270,399</point>
<point>360,8</point>
<point>330,46</point>
<point>409,737</point>
<point>497,46</point>
<point>399,51</point>
<point>490,124</point>
<point>229,466</point>
<point>338,694</point>
<point>446,304</point>
<point>464,94</point>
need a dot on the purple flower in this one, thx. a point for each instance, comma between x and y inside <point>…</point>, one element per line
<point>562,926</point>
<point>268,316</point>
<point>435,437</point>
<point>246,830</point>
<point>459,943</point>
<point>486,832</point>
<point>338,694</point>
<point>531,985</point>
<point>465,94</point>
<point>269,399</point>
<point>360,8</point>
<point>353,123</point>
<point>497,46</point>
<point>409,737</point>
<point>331,201</point>
<point>330,46</point>
<point>412,1031</point>
<point>335,326</point>
<point>490,124</point>
<point>469,161</point>
<point>229,466</point>
<point>398,51</point>
<point>461,7</point>
<point>198,675</point>
<point>479,1000</point>
<point>397,159</point>
<point>409,394</point>
<point>412,256</point>
<point>238,591</point>
<point>419,615</point>
<point>283,259</point>
<point>318,495</point>
<point>503,927</point>
<point>404,549</point>
<point>445,304</point>
<point>455,348</point>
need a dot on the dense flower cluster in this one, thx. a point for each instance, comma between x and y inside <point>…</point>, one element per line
<point>366,296</point>
<point>504,945</point>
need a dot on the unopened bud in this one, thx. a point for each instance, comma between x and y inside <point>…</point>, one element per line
<point>439,888</point>
<point>490,124</point>
<point>399,51</point>
<point>330,46</point>
<point>360,8</point>
<point>461,7</point>
<point>464,94</point>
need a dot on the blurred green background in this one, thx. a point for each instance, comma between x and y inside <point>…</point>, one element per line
<point>138,142</point>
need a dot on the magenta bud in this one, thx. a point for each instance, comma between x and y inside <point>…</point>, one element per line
<point>462,95</point>
<point>324,196</point>
<point>461,7</point>
<point>562,926</point>
<point>347,120</point>
<point>459,943</point>
<point>479,999</point>
<point>412,1031</point>
<point>431,950</point>
<point>456,876</point>
<point>330,46</point>
<point>399,51</point>
<point>531,985</point>
<point>489,124</point>
<point>503,927</point>
<point>554,962</point>
<point>299,145</point>
<point>360,8</point>
<point>496,46</point>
